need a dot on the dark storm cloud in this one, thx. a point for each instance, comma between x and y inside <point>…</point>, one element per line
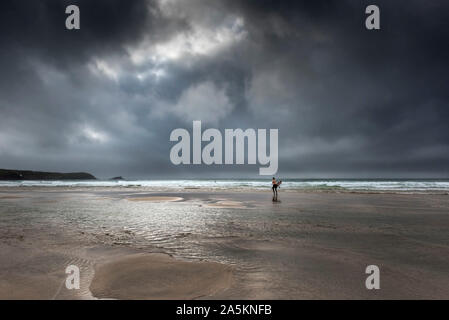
<point>347,101</point>
<point>107,26</point>
<point>381,96</point>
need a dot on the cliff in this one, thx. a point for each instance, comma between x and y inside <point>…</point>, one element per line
<point>37,175</point>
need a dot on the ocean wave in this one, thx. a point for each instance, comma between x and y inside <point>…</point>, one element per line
<point>335,184</point>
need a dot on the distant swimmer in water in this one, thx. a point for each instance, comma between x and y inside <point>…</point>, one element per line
<point>275,186</point>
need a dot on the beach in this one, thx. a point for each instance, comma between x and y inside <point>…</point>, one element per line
<point>197,243</point>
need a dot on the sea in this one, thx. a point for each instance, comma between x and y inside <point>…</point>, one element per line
<point>392,185</point>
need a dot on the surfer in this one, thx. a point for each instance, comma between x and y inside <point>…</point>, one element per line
<point>275,185</point>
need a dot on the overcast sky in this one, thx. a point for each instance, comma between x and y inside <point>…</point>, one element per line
<point>348,102</point>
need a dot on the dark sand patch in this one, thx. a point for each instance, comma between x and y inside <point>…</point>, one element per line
<point>158,276</point>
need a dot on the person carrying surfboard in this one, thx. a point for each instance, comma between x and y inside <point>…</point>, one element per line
<point>275,185</point>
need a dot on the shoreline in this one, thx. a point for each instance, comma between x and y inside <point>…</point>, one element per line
<point>9,189</point>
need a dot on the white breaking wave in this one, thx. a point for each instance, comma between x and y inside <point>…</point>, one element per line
<point>369,185</point>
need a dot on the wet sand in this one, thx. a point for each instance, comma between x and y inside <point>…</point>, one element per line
<point>155,199</point>
<point>158,276</point>
<point>230,245</point>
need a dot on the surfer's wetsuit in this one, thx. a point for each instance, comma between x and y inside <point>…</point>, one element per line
<point>275,188</point>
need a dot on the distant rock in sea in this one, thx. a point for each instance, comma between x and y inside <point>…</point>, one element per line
<point>117,178</point>
<point>37,175</point>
